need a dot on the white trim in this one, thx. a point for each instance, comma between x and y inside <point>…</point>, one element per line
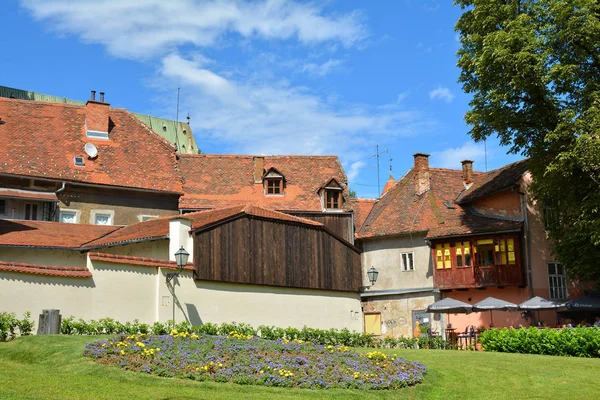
<point>96,135</point>
<point>403,267</point>
<point>94,213</point>
<point>146,217</point>
<point>66,210</point>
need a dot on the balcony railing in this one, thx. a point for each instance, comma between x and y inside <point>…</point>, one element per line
<point>478,277</point>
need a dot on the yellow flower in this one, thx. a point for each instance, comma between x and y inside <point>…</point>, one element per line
<point>122,352</point>
<point>262,372</point>
<point>220,365</point>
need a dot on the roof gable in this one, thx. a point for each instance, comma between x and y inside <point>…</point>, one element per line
<point>494,181</point>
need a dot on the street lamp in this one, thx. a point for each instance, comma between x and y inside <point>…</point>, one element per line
<point>181,258</point>
<point>372,274</point>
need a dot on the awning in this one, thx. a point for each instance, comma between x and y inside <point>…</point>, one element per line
<point>27,194</point>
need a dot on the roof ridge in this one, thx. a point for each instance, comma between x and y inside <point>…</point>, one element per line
<point>41,102</point>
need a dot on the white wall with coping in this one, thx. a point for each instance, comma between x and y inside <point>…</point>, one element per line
<point>126,292</point>
<point>60,258</point>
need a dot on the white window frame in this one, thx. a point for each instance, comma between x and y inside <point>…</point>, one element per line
<point>94,213</point>
<point>557,283</point>
<point>67,210</point>
<point>146,217</point>
<point>37,211</point>
<point>403,267</point>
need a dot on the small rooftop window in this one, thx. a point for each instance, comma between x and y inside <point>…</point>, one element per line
<point>79,161</point>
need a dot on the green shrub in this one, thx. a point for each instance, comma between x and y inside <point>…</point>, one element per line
<point>574,342</point>
<point>11,326</point>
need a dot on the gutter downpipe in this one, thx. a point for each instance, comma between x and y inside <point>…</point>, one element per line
<point>528,252</point>
<point>62,188</point>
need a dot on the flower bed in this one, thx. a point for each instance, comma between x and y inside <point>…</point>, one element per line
<point>245,359</point>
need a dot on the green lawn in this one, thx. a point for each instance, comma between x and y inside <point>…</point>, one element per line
<point>52,367</point>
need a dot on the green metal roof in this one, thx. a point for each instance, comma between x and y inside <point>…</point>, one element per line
<point>179,134</point>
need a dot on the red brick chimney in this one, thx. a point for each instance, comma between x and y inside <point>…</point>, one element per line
<point>96,115</point>
<point>467,172</point>
<point>259,166</point>
<point>421,174</point>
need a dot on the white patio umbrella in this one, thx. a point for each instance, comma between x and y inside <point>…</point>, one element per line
<point>450,306</point>
<point>491,303</point>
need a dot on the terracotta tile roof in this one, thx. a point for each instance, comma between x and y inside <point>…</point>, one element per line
<point>401,211</point>
<point>157,228</point>
<point>15,233</point>
<point>48,270</point>
<point>27,194</point>
<point>494,181</point>
<point>40,139</point>
<point>141,261</point>
<point>362,208</point>
<point>218,181</point>
<point>388,184</point>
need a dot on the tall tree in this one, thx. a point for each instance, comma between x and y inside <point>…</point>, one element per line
<point>533,69</point>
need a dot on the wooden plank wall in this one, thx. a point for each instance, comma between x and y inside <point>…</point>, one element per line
<point>340,224</point>
<point>264,252</point>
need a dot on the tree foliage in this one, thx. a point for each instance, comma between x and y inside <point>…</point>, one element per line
<point>533,69</point>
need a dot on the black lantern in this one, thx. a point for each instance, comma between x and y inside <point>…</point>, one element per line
<point>372,275</point>
<point>181,257</point>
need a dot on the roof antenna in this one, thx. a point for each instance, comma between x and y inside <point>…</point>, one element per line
<point>177,123</point>
<point>188,118</point>
<point>485,152</point>
<point>391,159</point>
<point>377,155</point>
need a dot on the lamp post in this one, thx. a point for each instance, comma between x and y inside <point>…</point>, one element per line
<point>181,258</point>
<point>372,274</point>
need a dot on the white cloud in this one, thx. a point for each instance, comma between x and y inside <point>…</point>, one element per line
<point>140,29</point>
<point>321,69</point>
<point>275,117</point>
<point>451,158</point>
<point>442,93</point>
<point>355,168</point>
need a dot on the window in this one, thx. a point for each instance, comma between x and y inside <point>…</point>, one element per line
<point>275,186</point>
<point>485,253</point>
<point>143,218</point>
<point>407,260</point>
<point>31,212</point>
<point>102,217</point>
<point>68,216</point>
<point>505,251</point>
<point>333,199</point>
<point>79,161</point>
<point>3,207</point>
<point>463,254</point>
<point>557,281</point>
<point>443,256</point>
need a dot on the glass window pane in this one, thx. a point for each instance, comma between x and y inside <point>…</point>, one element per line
<point>68,217</point>
<point>559,269</point>
<point>102,219</point>
<point>551,269</point>
<point>411,265</point>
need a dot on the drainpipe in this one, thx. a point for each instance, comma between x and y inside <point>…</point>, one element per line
<point>64,185</point>
<point>528,250</point>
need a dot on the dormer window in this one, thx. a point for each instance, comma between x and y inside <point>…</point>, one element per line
<point>332,195</point>
<point>273,181</point>
<point>333,199</point>
<point>274,186</point>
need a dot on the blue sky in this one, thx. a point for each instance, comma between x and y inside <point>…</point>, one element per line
<point>263,77</point>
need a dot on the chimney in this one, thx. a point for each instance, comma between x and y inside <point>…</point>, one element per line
<point>421,174</point>
<point>96,117</point>
<point>467,172</point>
<point>259,165</point>
<point>388,185</point>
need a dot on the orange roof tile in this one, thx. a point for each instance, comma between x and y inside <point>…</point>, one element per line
<point>401,211</point>
<point>218,181</point>
<point>141,261</point>
<point>153,229</point>
<point>362,208</point>
<point>48,270</point>
<point>40,139</point>
<point>389,184</point>
<point>16,233</point>
<point>494,181</point>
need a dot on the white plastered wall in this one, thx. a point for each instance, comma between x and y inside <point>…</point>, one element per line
<point>127,292</point>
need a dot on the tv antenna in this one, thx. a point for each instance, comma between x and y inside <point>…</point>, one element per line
<point>376,155</point>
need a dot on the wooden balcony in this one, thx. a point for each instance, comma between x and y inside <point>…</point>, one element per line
<point>478,262</point>
<point>479,277</point>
